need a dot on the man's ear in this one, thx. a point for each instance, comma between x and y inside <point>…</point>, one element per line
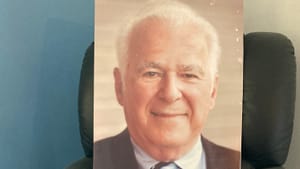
<point>214,91</point>
<point>118,85</point>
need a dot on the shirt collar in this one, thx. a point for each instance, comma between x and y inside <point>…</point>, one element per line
<point>191,160</point>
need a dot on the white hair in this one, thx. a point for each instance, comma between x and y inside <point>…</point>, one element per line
<point>176,14</point>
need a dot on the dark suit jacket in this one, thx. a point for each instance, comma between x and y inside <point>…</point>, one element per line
<point>117,153</point>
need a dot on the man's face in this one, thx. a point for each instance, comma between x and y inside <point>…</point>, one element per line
<point>167,90</point>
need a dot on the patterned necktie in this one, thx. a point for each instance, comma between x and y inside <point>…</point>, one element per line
<point>160,165</point>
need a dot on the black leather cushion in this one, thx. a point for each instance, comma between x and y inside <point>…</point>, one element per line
<point>279,167</point>
<point>86,101</point>
<point>84,163</point>
<point>269,98</point>
<point>246,165</point>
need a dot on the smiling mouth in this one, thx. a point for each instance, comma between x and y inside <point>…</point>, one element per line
<point>168,115</point>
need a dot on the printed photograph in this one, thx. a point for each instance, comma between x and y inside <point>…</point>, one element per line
<point>168,83</point>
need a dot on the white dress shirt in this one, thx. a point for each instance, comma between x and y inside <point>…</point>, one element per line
<point>194,159</point>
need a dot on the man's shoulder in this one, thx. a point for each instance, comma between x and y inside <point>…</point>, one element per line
<point>218,149</point>
<point>104,143</point>
<point>103,153</point>
<point>220,155</point>
<point>111,145</point>
<point>114,152</point>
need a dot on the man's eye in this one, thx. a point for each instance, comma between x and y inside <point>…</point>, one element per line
<point>189,76</point>
<point>151,74</point>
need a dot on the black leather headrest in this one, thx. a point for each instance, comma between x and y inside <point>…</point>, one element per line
<point>86,101</point>
<point>269,98</point>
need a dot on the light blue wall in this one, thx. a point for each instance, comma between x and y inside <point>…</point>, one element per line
<point>42,43</point>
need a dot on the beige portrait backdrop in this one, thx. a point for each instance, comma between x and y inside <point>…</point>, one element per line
<point>224,122</point>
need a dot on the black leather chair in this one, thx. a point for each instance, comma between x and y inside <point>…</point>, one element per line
<point>85,109</point>
<point>268,102</point>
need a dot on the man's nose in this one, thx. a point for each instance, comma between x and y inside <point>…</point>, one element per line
<point>169,89</point>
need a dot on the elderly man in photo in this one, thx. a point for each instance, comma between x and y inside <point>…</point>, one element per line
<point>167,83</point>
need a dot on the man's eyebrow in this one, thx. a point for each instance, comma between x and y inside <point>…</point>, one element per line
<point>145,65</point>
<point>191,67</point>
